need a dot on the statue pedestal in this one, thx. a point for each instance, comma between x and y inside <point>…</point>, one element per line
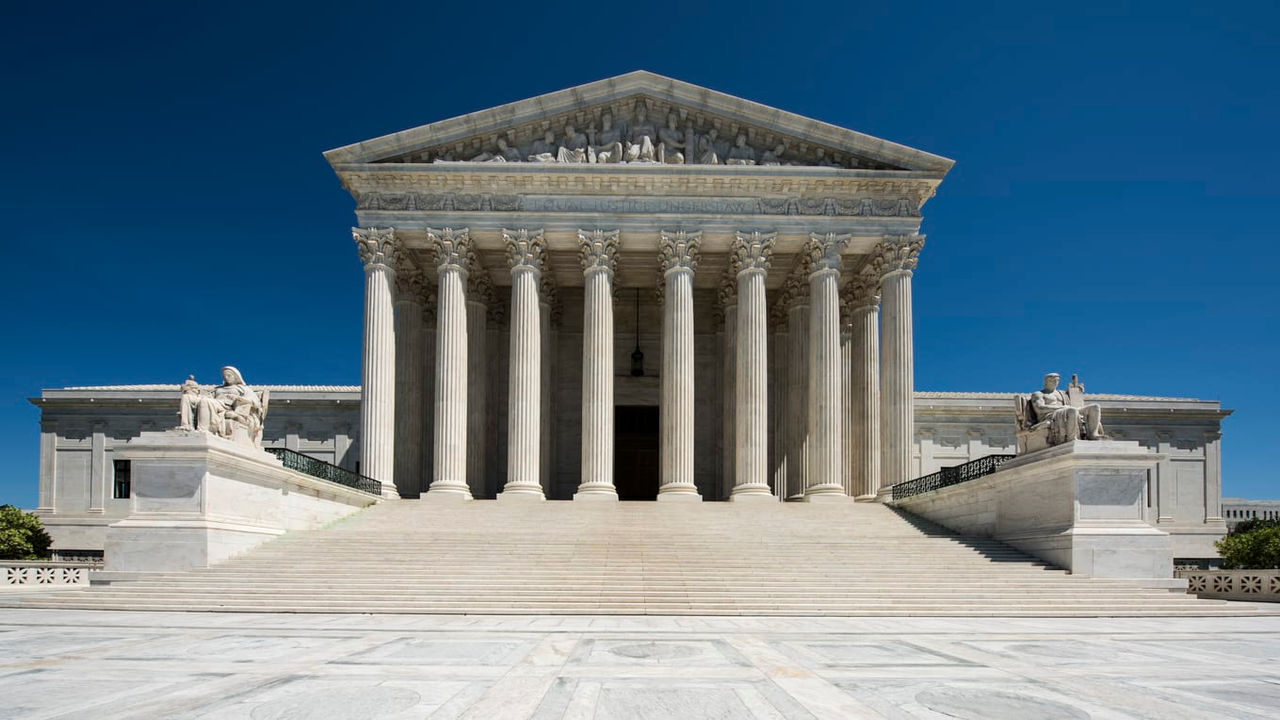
<point>1078,505</point>
<point>198,499</point>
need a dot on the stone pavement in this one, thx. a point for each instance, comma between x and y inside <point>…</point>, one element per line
<point>102,664</point>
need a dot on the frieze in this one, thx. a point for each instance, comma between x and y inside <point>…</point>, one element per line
<point>469,202</point>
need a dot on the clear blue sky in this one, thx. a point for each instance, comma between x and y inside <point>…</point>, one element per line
<point>1112,212</point>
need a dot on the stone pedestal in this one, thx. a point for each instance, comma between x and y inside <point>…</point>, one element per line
<point>198,499</point>
<point>1078,506</point>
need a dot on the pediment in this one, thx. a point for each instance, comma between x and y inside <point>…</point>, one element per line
<point>605,122</point>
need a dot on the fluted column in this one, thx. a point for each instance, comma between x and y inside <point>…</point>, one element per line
<point>862,299</point>
<point>453,252</point>
<point>897,256</point>
<point>479,298</point>
<point>729,366</point>
<point>427,437</point>
<point>797,387</point>
<point>377,249</point>
<point>678,255</point>
<point>846,400</point>
<point>778,349</point>
<point>750,259</point>
<point>599,258</point>
<point>826,397</point>
<point>524,414</point>
<point>410,376</point>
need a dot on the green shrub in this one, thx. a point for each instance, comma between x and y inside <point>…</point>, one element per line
<point>22,535</point>
<point>1253,545</point>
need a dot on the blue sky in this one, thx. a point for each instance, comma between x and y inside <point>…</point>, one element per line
<point>1112,211</point>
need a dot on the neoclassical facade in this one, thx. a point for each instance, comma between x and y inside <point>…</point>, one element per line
<point>514,256</point>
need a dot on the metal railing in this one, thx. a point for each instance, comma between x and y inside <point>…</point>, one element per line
<point>949,476</point>
<point>326,471</point>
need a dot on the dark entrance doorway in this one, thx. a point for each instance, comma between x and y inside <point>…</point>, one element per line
<point>636,459</point>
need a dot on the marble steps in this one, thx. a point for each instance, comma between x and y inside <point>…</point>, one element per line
<point>635,559</point>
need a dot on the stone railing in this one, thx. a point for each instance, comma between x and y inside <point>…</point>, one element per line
<point>1255,585</point>
<point>39,573</point>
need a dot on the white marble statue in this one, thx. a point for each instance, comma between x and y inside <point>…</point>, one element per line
<point>774,156</point>
<point>574,147</point>
<point>232,410</point>
<point>670,142</point>
<point>642,135</point>
<point>607,145</point>
<point>544,149</point>
<point>742,153</point>
<point>1054,417</point>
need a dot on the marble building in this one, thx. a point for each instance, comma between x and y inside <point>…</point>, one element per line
<point>633,289</point>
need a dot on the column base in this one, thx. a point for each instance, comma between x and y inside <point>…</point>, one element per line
<point>885,494</point>
<point>831,494</point>
<point>387,493</point>
<point>446,492</point>
<point>865,498</point>
<point>751,493</point>
<point>682,493</point>
<point>521,494</point>
<point>597,493</point>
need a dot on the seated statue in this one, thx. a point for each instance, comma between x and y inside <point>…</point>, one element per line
<point>742,153</point>
<point>606,146</point>
<point>641,137</point>
<point>574,148</point>
<point>232,410</point>
<point>671,140</point>
<point>544,150</point>
<point>774,156</point>
<point>1051,417</point>
<point>505,153</point>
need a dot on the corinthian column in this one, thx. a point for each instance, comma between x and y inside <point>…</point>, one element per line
<point>410,376</point>
<point>479,298</point>
<point>750,261</point>
<point>599,252</point>
<point>797,296</point>
<point>826,397</point>
<point>897,257</point>
<point>377,248</point>
<point>453,252</point>
<point>863,299</point>
<point>678,255</point>
<point>524,414</point>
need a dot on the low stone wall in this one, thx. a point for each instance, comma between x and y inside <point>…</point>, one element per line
<point>32,574</point>
<point>199,500</point>
<point>1254,585</point>
<point>1078,506</point>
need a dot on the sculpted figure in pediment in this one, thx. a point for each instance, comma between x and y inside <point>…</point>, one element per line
<point>574,147</point>
<point>774,156</point>
<point>742,153</point>
<point>505,153</point>
<point>707,154</point>
<point>671,142</point>
<point>544,149</point>
<point>606,146</point>
<point>642,135</point>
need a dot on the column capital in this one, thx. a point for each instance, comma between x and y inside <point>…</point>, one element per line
<point>376,246</point>
<point>599,251</point>
<point>479,287</point>
<point>824,251</point>
<point>453,248</point>
<point>751,252</point>
<point>525,249</point>
<point>863,289</point>
<point>410,282</point>
<point>898,253</point>
<point>678,250</point>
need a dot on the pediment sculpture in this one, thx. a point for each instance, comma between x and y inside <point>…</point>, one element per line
<point>1051,417</point>
<point>632,135</point>
<point>232,410</point>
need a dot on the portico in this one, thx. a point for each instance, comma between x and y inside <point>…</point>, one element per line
<point>767,286</point>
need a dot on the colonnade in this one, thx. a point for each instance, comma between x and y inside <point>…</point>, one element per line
<point>842,415</point>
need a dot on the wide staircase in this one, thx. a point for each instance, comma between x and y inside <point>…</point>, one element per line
<point>487,557</point>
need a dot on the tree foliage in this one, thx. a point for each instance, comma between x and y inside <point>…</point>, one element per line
<point>22,535</point>
<point>1253,545</point>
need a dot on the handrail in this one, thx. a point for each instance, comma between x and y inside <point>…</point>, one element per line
<point>948,476</point>
<point>326,471</point>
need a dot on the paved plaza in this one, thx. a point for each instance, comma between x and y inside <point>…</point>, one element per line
<point>64,664</point>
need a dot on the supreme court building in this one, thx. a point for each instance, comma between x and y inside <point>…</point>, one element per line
<point>516,258</point>
<point>633,289</point>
